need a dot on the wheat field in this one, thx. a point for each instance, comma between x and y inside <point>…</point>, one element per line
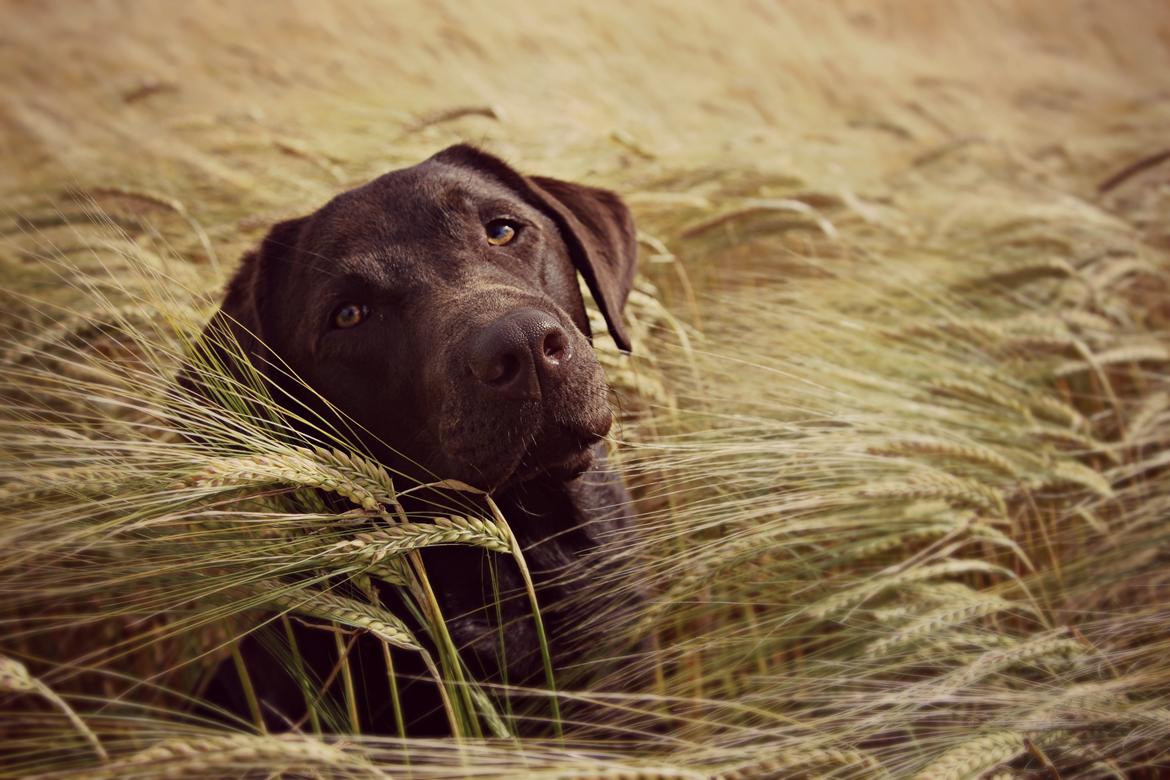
<point>896,417</point>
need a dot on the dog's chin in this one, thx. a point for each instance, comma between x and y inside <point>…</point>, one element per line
<point>545,448</point>
<point>561,452</point>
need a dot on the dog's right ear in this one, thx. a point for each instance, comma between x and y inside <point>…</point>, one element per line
<point>232,345</point>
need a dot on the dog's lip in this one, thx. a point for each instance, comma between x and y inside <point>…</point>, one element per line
<point>563,456</point>
<point>573,466</point>
<point>544,443</point>
<point>583,451</point>
<point>567,458</point>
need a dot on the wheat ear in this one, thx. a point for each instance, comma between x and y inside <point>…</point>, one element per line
<point>940,619</point>
<point>348,612</point>
<point>973,758</point>
<point>375,546</point>
<point>780,764</point>
<point>969,452</point>
<point>223,755</point>
<point>357,480</point>
<point>1054,644</point>
<point>856,595</point>
<point>946,486</point>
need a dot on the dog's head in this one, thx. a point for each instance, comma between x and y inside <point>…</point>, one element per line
<point>438,308</point>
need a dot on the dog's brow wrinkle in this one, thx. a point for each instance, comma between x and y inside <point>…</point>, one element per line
<point>453,199</point>
<point>368,268</point>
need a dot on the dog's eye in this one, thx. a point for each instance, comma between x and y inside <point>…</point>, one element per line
<point>349,315</point>
<point>501,231</point>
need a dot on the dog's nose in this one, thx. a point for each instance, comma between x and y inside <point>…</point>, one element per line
<point>519,353</point>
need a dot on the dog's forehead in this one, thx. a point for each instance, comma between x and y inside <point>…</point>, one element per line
<point>418,203</point>
<point>404,222</point>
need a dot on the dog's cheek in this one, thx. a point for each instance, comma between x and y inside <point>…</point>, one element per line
<point>584,397</point>
<point>476,445</point>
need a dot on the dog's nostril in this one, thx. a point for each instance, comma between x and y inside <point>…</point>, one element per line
<point>556,345</point>
<point>502,370</point>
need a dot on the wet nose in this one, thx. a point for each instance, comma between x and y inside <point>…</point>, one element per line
<point>518,354</point>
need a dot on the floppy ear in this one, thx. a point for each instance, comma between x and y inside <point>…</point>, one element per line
<point>236,331</point>
<point>597,228</point>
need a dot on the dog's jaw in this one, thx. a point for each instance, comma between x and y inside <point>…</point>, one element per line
<point>563,454</point>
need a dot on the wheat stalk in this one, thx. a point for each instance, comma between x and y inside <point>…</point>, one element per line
<point>1027,406</point>
<point>1075,440</point>
<point>967,491</point>
<point>1132,353</point>
<point>333,472</point>
<point>348,612</point>
<point>68,480</point>
<point>933,622</point>
<point>363,469</point>
<point>1087,321</point>
<point>15,678</point>
<point>782,763</point>
<point>1106,275</point>
<point>1072,472</point>
<point>630,773</point>
<point>867,590</point>
<point>221,755</point>
<point>1050,408</point>
<point>1146,415</point>
<point>901,539</point>
<point>404,537</point>
<point>971,759</point>
<point>1051,645</point>
<point>996,330</point>
<point>1034,269</point>
<point>969,452</point>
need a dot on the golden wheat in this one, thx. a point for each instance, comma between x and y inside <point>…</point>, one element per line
<point>214,755</point>
<point>15,678</point>
<point>348,612</point>
<point>973,758</point>
<point>298,466</point>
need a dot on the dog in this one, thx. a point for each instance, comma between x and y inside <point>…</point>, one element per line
<point>436,313</point>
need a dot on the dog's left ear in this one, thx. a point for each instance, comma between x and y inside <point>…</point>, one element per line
<point>596,226</point>
<point>603,245</point>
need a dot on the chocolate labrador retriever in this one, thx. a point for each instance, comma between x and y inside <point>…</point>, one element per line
<point>438,308</point>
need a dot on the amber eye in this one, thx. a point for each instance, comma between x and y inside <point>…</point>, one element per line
<point>349,315</point>
<point>500,232</point>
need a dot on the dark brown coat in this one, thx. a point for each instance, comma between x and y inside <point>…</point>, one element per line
<point>437,310</point>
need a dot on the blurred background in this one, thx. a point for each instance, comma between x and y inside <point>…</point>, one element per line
<point>258,107</point>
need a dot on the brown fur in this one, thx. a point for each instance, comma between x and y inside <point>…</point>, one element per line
<point>411,246</point>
